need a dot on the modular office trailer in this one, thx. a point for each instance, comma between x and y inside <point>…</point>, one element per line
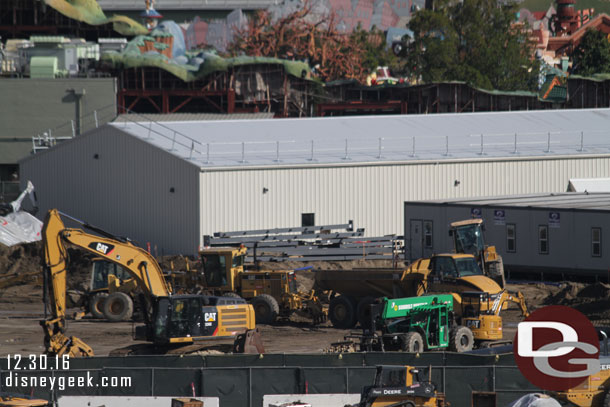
<point>547,233</point>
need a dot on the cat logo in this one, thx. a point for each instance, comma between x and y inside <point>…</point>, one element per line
<point>103,248</point>
<point>210,316</point>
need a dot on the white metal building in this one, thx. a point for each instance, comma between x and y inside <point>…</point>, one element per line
<point>171,182</point>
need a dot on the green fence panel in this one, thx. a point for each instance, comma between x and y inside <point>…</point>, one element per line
<point>231,386</point>
<point>140,382</point>
<point>326,380</point>
<point>177,382</point>
<point>358,377</point>
<point>510,378</point>
<point>245,360</point>
<point>461,381</point>
<point>334,359</point>
<point>20,383</point>
<point>285,380</point>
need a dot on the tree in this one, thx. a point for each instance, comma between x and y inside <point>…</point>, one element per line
<point>335,55</point>
<point>476,41</point>
<point>592,54</point>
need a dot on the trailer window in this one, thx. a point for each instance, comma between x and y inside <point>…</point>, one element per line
<point>596,242</point>
<point>511,238</point>
<point>543,239</point>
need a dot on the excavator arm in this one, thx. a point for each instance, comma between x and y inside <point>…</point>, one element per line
<point>139,263</point>
<point>505,297</point>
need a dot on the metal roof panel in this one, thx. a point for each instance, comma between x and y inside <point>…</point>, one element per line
<point>378,139</point>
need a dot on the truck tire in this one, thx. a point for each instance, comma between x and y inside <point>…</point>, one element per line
<point>96,305</point>
<point>266,309</point>
<point>412,342</point>
<point>461,339</point>
<point>342,312</point>
<point>118,307</point>
<point>364,311</point>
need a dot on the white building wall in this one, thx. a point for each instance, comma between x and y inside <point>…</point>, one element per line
<point>372,196</point>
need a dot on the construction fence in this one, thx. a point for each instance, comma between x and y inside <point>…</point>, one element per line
<point>242,380</point>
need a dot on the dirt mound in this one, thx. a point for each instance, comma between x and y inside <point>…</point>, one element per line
<point>595,291</point>
<point>29,257</point>
<point>568,292</point>
<point>593,300</point>
<point>20,258</point>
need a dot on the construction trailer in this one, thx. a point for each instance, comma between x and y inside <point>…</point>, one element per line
<point>545,234</point>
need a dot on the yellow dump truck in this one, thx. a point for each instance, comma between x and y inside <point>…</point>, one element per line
<point>354,290</point>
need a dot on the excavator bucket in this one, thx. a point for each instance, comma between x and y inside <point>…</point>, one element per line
<point>56,343</point>
<point>249,342</point>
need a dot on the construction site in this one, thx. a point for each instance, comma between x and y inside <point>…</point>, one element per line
<point>253,203</point>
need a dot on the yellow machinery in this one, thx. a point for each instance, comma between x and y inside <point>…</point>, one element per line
<point>112,290</point>
<point>272,293</point>
<point>468,238</point>
<point>172,322</point>
<point>400,386</point>
<point>593,392</point>
<point>482,314</point>
<point>354,290</point>
<point>20,401</point>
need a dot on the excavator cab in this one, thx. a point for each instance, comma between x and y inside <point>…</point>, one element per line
<point>186,318</point>
<point>477,315</point>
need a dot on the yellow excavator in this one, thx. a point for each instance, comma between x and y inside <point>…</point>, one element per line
<point>481,314</point>
<point>173,323</point>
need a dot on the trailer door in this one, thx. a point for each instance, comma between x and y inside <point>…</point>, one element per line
<point>416,240</point>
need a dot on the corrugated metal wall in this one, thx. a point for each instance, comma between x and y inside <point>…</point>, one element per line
<point>32,106</point>
<point>372,196</point>
<point>125,191</point>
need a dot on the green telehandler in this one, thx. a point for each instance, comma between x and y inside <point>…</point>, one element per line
<point>414,324</point>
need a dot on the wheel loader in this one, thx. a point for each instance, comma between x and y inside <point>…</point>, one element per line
<point>272,293</point>
<point>468,238</point>
<point>400,386</point>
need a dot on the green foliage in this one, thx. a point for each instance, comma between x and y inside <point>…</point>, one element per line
<point>592,54</point>
<point>373,44</point>
<point>474,41</point>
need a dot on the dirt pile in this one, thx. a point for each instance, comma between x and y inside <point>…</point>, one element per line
<point>29,257</point>
<point>593,300</point>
